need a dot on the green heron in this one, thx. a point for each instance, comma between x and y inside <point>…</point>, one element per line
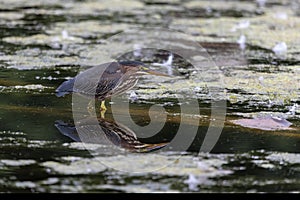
<point>115,78</point>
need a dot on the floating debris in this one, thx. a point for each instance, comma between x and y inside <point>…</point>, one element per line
<point>50,181</point>
<point>292,158</point>
<point>167,64</point>
<point>17,162</point>
<point>266,123</point>
<point>292,109</point>
<point>133,96</point>
<point>192,182</point>
<point>261,3</point>
<point>281,15</point>
<point>198,89</point>
<point>261,80</point>
<point>65,34</point>
<point>280,49</point>
<point>25,184</point>
<point>242,42</point>
<point>83,166</point>
<point>241,25</point>
<point>137,50</point>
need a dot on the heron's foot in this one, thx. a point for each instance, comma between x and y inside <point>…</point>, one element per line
<point>102,109</point>
<point>102,114</point>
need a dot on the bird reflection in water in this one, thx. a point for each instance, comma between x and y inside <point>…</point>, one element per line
<point>117,134</point>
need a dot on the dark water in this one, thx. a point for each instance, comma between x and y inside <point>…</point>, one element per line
<point>37,157</point>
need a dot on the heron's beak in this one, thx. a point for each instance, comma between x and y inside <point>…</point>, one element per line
<point>153,72</point>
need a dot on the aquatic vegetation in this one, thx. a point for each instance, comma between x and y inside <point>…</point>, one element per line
<point>249,60</point>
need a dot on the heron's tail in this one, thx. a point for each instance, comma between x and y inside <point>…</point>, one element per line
<point>65,88</point>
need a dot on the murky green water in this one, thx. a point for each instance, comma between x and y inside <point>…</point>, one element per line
<point>44,43</point>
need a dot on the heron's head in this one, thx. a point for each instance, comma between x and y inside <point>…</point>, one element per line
<point>139,68</point>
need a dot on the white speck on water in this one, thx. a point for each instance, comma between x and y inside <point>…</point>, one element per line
<point>88,170</point>
<point>280,49</point>
<point>55,43</point>
<point>31,87</point>
<point>208,10</point>
<point>242,42</point>
<point>65,34</point>
<point>281,15</point>
<point>270,103</point>
<point>167,64</point>
<point>137,50</point>
<point>25,184</point>
<point>65,144</point>
<point>292,109</point>
<point>68,78</point>
<point>197,89</point>
<point>49,78</point>
<point>133,96</point>
<point>261,3</point>
<point>192,182</point>
<point>50,181</point>
<point>170,60</point>
<point>261,80</point>
<point>241,25</point>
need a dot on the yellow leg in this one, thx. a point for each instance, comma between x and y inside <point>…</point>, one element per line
<point>102,109</point>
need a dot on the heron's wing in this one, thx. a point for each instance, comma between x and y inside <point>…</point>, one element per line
<point>125,83</point>
<point>106,86</point>
<point>98,80</point>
